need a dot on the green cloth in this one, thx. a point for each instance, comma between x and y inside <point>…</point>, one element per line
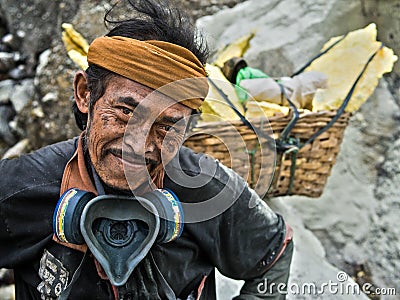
<point>247,73</point>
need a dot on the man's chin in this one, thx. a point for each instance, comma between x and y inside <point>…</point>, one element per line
<point>126,188</point>
<point>134,178</point>
<point>118,190</point>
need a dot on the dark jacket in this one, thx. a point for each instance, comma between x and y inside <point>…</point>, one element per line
<point>241,240</point>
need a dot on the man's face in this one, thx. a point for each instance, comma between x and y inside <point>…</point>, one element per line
<point>153,135</point>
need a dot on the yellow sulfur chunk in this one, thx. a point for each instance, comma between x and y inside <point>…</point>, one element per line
<point>259,109</point>
<point>78,58</point>
<point>235,49</point>
<point>214,103</point>
<point>74,40</point>
<point>76,45</point>
<point>344,62</point>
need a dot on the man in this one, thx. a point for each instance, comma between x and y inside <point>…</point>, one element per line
<point>131,143</point>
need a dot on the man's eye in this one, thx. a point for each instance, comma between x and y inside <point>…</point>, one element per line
<point>126,111</point>
<point>167,127</point>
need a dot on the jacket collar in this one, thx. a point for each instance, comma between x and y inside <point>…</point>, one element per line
<point>76,174</point>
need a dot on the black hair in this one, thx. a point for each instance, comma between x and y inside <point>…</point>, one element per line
<point>152,20</point>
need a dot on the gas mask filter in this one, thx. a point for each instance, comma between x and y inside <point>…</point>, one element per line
<point>118,230</point>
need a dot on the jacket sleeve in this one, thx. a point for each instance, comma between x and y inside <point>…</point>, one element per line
<point>273,283</point>
<point>29,191</point>
<point>240,234</point>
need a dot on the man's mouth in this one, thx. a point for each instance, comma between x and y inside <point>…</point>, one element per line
<point>132,159</point>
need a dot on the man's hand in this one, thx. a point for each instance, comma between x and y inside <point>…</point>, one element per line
<point>271,285</point>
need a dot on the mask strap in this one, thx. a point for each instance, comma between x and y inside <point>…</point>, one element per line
<point>97,182</point>
<point>65,293</point>
<point>165,287</point>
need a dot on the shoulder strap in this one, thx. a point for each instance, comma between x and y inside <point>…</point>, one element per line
<point>301,70</point>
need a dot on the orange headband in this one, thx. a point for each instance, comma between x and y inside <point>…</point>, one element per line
<point>153,64</point>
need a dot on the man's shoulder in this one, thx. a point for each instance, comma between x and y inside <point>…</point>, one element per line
<point>197,173</point>
<point>37,169</point>
<point>50,157</point>
<point>190,160</point>
<point>192,163</point>
<point>58,151</point>
<point>200,164</point>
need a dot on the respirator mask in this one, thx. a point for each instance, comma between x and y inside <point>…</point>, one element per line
<point>118,230</point>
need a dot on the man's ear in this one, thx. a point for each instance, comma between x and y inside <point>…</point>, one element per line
<point>81,92</point>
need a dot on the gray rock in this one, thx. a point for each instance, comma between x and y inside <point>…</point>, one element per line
<point>6,276</point>
<point>7,292</point>
<point>12,41</point>
<point>50,97</point>
<point>6,89</point>
<point>280,44</point>
<point>19,72</point>
<point>23,93</point>
<point>7,113</point>
<point>7,61</point>
<point>40,21</point>
<point>385,232</point>
<point>352,254</point>
<point>19,148</point>
<point>43,65</point>
<point>199,8</point>
<point>46,122</point>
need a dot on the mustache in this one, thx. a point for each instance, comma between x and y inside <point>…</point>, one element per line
<point>132,157</point>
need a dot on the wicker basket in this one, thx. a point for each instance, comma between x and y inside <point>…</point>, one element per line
<point>302,173</point>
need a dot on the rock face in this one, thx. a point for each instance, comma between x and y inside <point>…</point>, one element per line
<point>35,23</point>
<point>199,8</point>
<point>355,219</point>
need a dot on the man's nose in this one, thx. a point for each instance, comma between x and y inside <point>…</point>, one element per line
<point>139,139</point>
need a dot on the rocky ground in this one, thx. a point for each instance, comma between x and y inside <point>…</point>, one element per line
<point>352,227</point>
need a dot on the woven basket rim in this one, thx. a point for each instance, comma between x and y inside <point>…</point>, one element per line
<point>280,117</point>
